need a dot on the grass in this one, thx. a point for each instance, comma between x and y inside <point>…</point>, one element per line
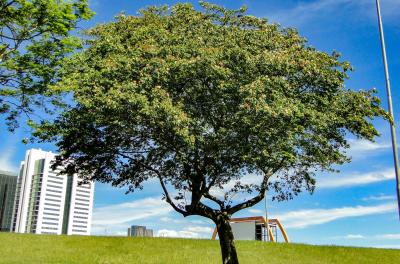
<point>27,248</point>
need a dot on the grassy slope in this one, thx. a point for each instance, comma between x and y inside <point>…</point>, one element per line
<point>23,248</point>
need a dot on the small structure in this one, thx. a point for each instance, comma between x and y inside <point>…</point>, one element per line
<point>255,228</point>
<point>139,231</point>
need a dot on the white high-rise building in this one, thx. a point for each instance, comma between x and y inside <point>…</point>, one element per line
<point>49,203</point>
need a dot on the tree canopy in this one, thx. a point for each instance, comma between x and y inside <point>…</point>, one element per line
<point>35,36</point>
<point>200,100</point>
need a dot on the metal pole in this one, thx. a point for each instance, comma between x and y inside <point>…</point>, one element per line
<point>266,215</point>
<point>389,97</point>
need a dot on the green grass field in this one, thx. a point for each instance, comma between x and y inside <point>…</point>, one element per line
<point>25,248</point>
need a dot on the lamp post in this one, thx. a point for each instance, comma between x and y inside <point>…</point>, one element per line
<point>266,214</point>
<point>390,106</point>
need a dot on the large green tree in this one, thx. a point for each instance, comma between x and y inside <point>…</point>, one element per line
<point>34,37</point>
<point>200,100</point>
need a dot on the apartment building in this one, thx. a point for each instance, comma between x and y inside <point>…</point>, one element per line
<point>8,182</point>
<point>47,202</point>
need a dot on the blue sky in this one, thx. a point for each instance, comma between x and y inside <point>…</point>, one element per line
<point>354,207</point>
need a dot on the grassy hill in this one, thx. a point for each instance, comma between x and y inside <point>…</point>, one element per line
<point>26,248</point>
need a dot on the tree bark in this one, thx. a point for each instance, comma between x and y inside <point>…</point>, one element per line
<point>226,240</point>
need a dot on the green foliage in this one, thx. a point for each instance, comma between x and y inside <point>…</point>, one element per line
<point>35,36</point>
<point>30,248</point>
<point>199,99</point>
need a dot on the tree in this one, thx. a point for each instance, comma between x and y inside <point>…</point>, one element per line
<point>200,100</point>
<point>35,36</point>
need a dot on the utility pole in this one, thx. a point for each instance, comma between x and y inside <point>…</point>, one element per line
<point>390,106</point>
<point>266,215</point>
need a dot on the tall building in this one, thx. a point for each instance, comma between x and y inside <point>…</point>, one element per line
<point>139,231</point>
<point>8,182</point>
<point>47,202</point>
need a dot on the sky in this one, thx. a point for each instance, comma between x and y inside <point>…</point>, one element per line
<point>355,207</point>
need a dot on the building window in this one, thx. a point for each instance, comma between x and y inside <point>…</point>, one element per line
<point>52,204</point>
<point>54,186</point>
<point>82,208</point>
<point>52,209</point>
<point>55,191</point>
<point>49,218</point>
<point>49,223</point>
<point>83,200</point>
<point>82,213</point>
<point>49,228</point>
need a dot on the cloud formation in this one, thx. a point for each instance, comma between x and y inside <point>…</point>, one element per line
<point>380,197</point>
<point>7,153</point>
<point>362,148</point>
<point>351,236</point>
<point>126,212</point>
<point>310,217</point>
<point>255,211</point>
<point>395,236</point>
<point>344,180</point>
<point>389,236</point>
<point>187,232</point>
<point>174,233</point>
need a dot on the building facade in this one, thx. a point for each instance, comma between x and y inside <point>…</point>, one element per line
<point>8,182</point>
<point>139,231</point>
<point>47,202</point>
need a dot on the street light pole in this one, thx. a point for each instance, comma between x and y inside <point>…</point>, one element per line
<point>266,215</point>
<point>390,106</point>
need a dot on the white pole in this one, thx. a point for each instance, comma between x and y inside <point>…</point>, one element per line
<point>266,214</point>
<point>389,98</point>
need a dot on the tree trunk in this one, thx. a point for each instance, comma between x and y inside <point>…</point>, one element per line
<point>226,242</point>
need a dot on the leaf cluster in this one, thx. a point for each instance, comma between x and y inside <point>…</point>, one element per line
<point>35,36</point>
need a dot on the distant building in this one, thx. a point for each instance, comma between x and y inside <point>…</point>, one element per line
<point>47,202</point>
<point>8,183</point>
<point>139,231</point>
<point>149,233</point>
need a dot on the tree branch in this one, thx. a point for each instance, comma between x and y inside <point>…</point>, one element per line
<point>261,193</point>
<point>169,200</point>
<point>166,193</point>
<point>248,203</point>
<point>214,199</point>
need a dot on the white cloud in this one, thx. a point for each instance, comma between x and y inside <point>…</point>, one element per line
<point>395,236</point>
<point>325,181</point>
<point>199,229</point>
<point>381,197</point>
<point>362,148</point>
<point>172,220</point>
<point>7,152</point>
<point>206,221</point>
<point>115,219</point>
<point>255,211</point>
<point>187,232</point>
<point>174,233</point>
<point>306,11</point>
<point>389,236</point>
<point>350,237</point>
<point>184,221</point>
<point>355,179</point>
<point>357,236</point>
<point>130,211</point>
<point>309,217</point>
